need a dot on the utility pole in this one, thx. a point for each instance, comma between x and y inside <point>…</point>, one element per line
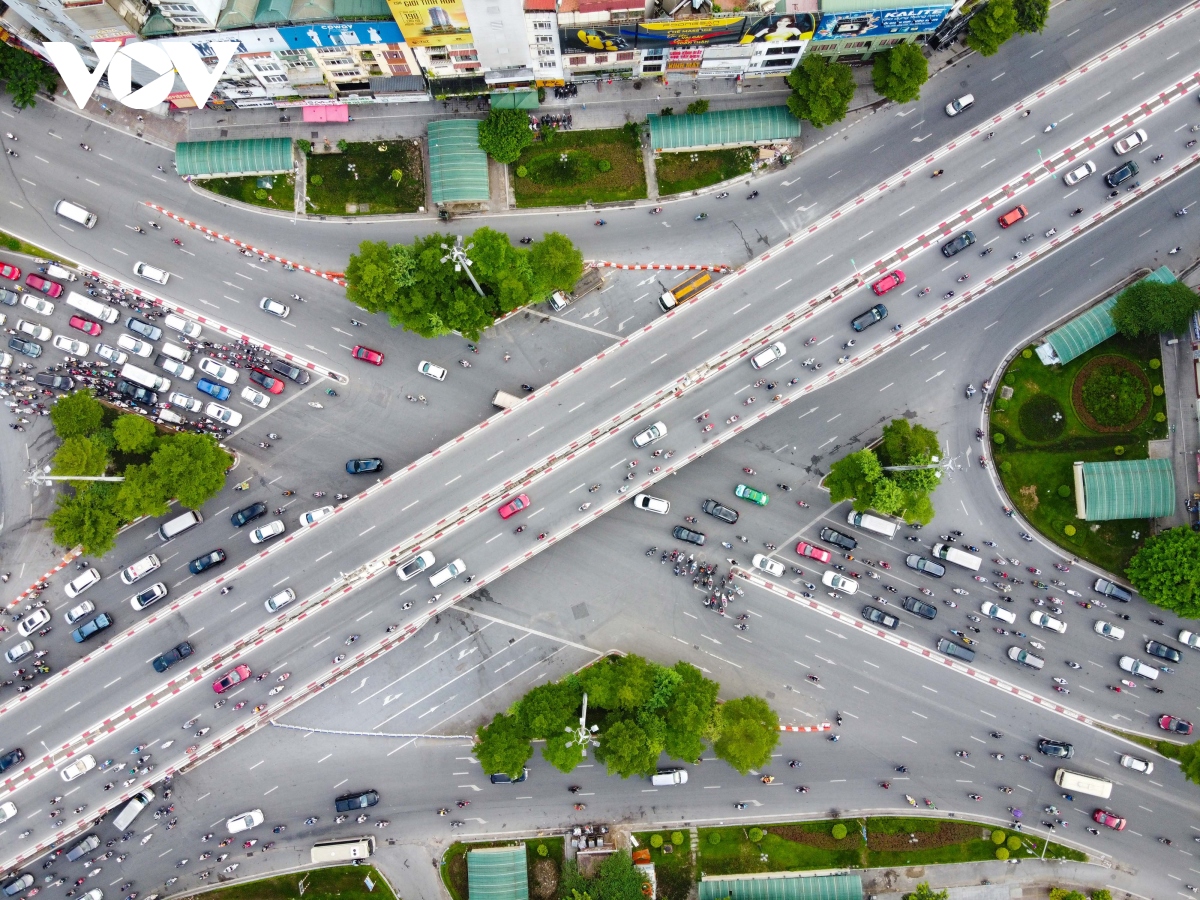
<point>458,253</point>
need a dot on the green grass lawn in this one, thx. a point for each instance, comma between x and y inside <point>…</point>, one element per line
<point>544,871</point>
<point>282,194</point>
<point>1045,433</point>
<point>682,172</point>
<point>334,883</point>
<point>550,181</point>
<point>454,862</point>
<point>373,192</point>
<point>674,870</point>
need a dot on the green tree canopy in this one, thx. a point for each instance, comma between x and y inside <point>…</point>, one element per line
<point>821,90</point>
<point>504,134</point>
<point>924,892</point>
<point>619,683</point>
<point>627,749</point>
<point>1057,893</point>
<point>23,73</point>
<point>193,465</point>
<point>503,746</point>
<point>904,444</point>
<point>371,280</point>
<point>80,456</point>
<point>697,107</point>
<point>556,264</point>
<point>85,517</point>
<point>749,731</point>
<point>899,73</point>
<point>78,414</point>
<point>617,879</point>
<point>1152,308</point>
<point>142,493</point>
<point>691,713</point>
<point>1166,571</point>
<point>853,477</point>
<point>991,27</point>
<point>1032,16</point>
<point>134,434</point>
<point>549,708</point>
<point>561,751</point>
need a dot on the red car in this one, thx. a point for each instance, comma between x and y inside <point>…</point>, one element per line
<point>514,506</point>
<point>38,283</point>
<point>374,357</point>
<point>9,271</point>
<point>268,381</point>
<point>806,549</point>
<point>1104,817</point>
<point>888,281</point>
<point>87,326</point>
<point>230,678</point>
<point>1174,724</point>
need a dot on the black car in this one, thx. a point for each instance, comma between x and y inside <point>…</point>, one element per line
<point>924,566</point>
<point>26,348</point>
<point>145,329</point>
<point>352,802</point>
<point>1123,172</point>
<point>717,511</point>
<point>876,313</point>
<point>207,561</point>
<point>919,607</point>
<point>60,382</point>
<point>94,627</point>
<point>503,778</point>
<point>298,375</point>
<point>11,758</point>
<point>172,656</point>
<point>1060,749</point>
<point>137,393</point>
<point>960,243</point>
<point>249,514</point>
<point>1163,651</point>
<point>829,536</point>
<point>879,617</point>
<point>686,534</point>
<point>363,466</point>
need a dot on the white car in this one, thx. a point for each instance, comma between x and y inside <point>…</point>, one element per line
<point>81,766</point>
<point>655,432</point>
<point>178,369</point>
<point>227,374</point>
<point>134,346</point>
<point>437,373</point>
<point>223,414</point>
<point>112,354</point>
<point>839,583</point>
<point>1137,764</point>
<point>313,516</point>
<point>994,611</point>
<point>20,651</point>
<point>75,613</point>
<point>268,531</point>
<point>183,401</point>
<point>1190,638</point>
<point>1131,140</point>
<point>37,304</point>
<point>1045,620</point>
<point>772,567</point>
<point>651,504</point>
<point>39,618</point>
<point>276,602</point>
<point>1108,630</point>
<point>1079,173</point>
<point>182,325</point>
<point>245,821</point>
<point>255,398</point>
<point>1137,667</point>
<point>34,330</point>
<point>82,583</point>
<point>768,355</point>
<point>416,565</point>
<point>7,811</point>
<point>150,595</point>
<point>274,307</point>
<point>954,107</point>
<point>70,345</point>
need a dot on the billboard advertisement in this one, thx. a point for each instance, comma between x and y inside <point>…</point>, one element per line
<point>432,23</point>
<point>880,22</point>
<point>340,34</point>
<point>688,33</point>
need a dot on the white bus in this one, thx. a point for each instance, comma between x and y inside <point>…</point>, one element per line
<point>343,849</point>
<point>137,375</point>
<point>101,311</point>
<point>950,553</point>
<point>1083,784</point>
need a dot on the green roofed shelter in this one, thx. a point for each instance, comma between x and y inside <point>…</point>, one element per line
<point>1124,489</point>
<point>225,159</point>
<point>497,873</point>
<point>724,128</point>
<point>458,169</point>
<point>1089,329</point>
<point>514,100</point>
<point>809,887</point>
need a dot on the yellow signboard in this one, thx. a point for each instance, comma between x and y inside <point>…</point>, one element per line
<point>431,23</point>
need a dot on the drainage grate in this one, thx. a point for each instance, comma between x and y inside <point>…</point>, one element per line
<point>580,611</point>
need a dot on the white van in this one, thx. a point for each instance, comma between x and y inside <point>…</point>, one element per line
<point>176,352</point>
<point>169,417</point>
<point>1025,658</point>
<point>96,310</point>
<point>150,273</point>
<point>180,524</point>
<point>182,325</point>
<point>447,572</point>
<point>140,569</point>
<point>75,213</point>
<point>873,523</point>
<point>1074,782</point>
<point>950,553</point>
<point>82,583</point>
<point>136,804</point>
<point>138,375</point>
<point>995,611</point>
<point>55,271</point>
<point>664,777</point>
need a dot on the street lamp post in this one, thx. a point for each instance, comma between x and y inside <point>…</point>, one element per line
<point>458,253</point>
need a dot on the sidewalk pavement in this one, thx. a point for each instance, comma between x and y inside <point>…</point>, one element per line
<point>411,869</point>
<point>995,880</point>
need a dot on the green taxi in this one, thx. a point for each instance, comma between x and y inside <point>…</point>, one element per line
<point>748,493</point>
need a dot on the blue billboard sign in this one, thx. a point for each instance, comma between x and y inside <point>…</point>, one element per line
<point>880,22</point>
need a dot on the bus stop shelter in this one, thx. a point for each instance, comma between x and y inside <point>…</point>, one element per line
<point>724,128</point>
<point>228,159</point>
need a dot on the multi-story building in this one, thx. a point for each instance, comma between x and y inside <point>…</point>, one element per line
<point>598,37</point>
<point>541,33</point>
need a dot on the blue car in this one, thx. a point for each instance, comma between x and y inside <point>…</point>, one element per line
<point>213,389</point>
<point>95,626</point>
